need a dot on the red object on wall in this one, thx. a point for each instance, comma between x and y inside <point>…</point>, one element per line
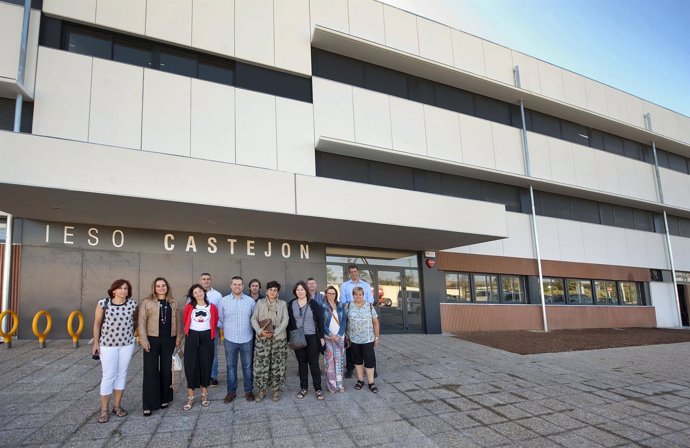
<point>431,262</point>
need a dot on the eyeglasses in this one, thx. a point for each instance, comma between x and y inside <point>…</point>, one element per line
<point>330,293</point>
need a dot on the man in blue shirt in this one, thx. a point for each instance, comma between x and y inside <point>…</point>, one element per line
<point>213,297</point>
<point>234,316</point>
<point>313,291</point>
<point>345,298</point>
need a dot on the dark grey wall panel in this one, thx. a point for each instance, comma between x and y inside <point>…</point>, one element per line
<point>301,271</point>
<point>177,269</point>
<point>265,270</point>
<point>222,269</point>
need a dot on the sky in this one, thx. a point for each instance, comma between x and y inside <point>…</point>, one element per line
<point>641,47</point>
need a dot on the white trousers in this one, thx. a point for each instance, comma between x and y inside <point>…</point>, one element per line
<point>114,362</point>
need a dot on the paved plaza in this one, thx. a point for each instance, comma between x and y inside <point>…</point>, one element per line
<point>434,391</point>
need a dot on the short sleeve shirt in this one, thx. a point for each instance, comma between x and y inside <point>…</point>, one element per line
<point>359,324</point>
<point>118,323</point>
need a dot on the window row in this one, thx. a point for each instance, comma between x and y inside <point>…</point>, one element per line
<point>591,292</point>
<point>515,199</point>
<point>484,288</point>
<point>151,54</point>
<point>7,108</point>
<point>391,82</point>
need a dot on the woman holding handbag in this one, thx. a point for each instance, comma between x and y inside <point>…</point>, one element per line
<point>159,334</point>
<point>306,320</point>
<point>335,323</point>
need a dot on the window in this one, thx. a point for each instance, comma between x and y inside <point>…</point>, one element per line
<point>420,90</point>
<point>632,149</point>
<point>485,288</point>
<point>458,288</point>
<point>677,163</point>
<point>630,293</point>
<point>607,294</point>
<point>575,133</point>
<point>623,217</point>
<point>491,109</point>
<point>512,289</point>
<point>89,43</point>
<point>553,290</point>
<point>388,175</point>
<point>579,292</point>
<point>584,210</point>
<point>337,68</point>
<point>613,144</point>
<point>450,98</point>
<point>385,80</point>
<point>546,125</point>
<point>222,73</point>
<point>555,206</point>
<point>644,220</point>
<point>178,63</point>
<point>134,54</point>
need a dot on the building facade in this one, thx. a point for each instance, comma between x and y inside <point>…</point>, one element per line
<point>476,187</point>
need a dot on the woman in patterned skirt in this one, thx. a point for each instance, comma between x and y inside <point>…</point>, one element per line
<point>113,341</point>
<point>335,323</point>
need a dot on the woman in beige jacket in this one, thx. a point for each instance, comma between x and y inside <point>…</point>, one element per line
<point>270,319</point>
<point>159,334</point>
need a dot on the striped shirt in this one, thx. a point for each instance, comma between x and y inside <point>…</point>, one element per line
<point>234,317</point>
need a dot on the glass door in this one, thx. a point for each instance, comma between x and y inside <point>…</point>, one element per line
<point>388,301</point>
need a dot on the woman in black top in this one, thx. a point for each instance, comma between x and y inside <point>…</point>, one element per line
<point>308,314</point>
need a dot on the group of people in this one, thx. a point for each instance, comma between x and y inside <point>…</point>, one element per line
<point>256,329</point>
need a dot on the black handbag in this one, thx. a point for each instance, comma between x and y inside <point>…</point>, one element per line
<point>297,340</point>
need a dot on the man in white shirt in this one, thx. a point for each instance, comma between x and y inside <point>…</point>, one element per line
<point>213,297</point>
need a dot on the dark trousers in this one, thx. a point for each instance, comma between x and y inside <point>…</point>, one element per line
<point>156,388</point>
<point>350,363</point>
<point>308,359</point>
<point>198,357</point>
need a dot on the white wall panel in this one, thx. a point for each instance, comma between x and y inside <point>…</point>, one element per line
<point>551,81</point>
<point>616,246</point>
<point>585,167</point>
<point>574,89</point>
<point>519,242</point>
<point>170,20</point>
<point>255,129</point>
<point>508,152</point>
<point>82,10</point>
<point>596,96</point>
<point>636,241</point>
<point>681,249</point>
<point>116,100</point>
<point>646,181</point>
<point>330,14</point>
<point>11,26</point>
<point>254,31</point>
<point>498,62</point>
<point>32,51</point>
<point>594,243</point>
<point>366,20</point>
<point>492,248</point>
<point>562,164</point>
<point>548,238</point>
<point>468,52</point>
<point>125,15</point>
<point>683,125</point>
<point>213,26</point>
<point>63,90</point>
<point>539,155</point>
<point>665,304</point>
<point>627,181</point>
<point>477,143</point>
<point>607,173</point>
<point>442,134</point>
<point>295,136</point>
<point>401,29</point>
<point>167,109</point>
<point>676,187</point>
<point>333,110</point>
<point>615,103</point>
<point>213,121</point>
<point>434,41</point>
<point>372,118</point>
<point>663,120</point>
<point>655,253</point>
<point>529,71</point>
<point>292,35</point>
<point>407,123</point>
<point>571,242</point>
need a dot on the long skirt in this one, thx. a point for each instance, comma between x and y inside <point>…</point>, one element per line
<point>270,359</point>
<point>335,361</point>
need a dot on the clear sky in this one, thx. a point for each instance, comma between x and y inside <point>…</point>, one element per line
<point>639,46</point>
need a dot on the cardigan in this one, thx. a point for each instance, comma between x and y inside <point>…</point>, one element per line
<point>188,319</point>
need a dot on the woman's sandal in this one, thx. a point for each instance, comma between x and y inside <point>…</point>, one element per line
<point>301,394</point>
<point>359,385</point>
<point>147,412</point>
<point>204,400</point>
<point>189,404</point>
<point>373,388</point>
<point>119,411</point>
<point>319,395</point>
<point>103,416</point>
<point>164,405</point>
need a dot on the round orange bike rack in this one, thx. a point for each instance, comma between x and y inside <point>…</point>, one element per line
<point>75,334</point>
<point>7,337</point>
<point>49,325</point>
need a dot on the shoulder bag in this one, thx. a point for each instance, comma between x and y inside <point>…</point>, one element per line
<point>297,338</point>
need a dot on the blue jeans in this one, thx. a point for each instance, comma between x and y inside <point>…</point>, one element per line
<point>245,351</point>
<point>214,365</point>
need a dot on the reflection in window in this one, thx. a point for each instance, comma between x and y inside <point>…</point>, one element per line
<point>630,293</point>
<point>334,276</point>
<point>553,290</point>
<point>513,289</point>
<point>579,292</point>
<point>458,288</point>
<point>607,294</point>
<point>486,288</point>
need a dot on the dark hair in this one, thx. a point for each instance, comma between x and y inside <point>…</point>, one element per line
<point>273,284</point>
<point>237,277</point>
<point>335,291</point>
<point>352,266</point>
<point>168,293</point>
<point>204,273</point>
<point>190,294</point>
<point>303,285</point>
<point>116,284</point>
<point>254,280</point>
<point>310,279</point>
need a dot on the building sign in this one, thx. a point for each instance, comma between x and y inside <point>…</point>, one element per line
<point>96,237</point>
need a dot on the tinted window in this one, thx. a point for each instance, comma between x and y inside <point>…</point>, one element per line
<point>516,117</point>
<point>89,43</point>
<point>132,54</point>
<point>613,144</point>
<point>647,154</point>
<point>659,223</point>
<point>584,210</point>
<point>606,214</point>
<point>340,167</point>
<point>623,217</point>
<point>677,163</point>
<point>216,72</point>
<point>491,109</point>
<point>427,181</point>
<point>273,82</point>
<point>555,206</point>
<point>461,187</point>
<point>178,63</point>
<point>338,68</point>
<point>662,158</point>
<point>684,227</point>
<point>454,99</point>
<point>575,133</point>
<point>673,227</point>
<point>385,80</point>
<point>643,220</point>
<point>420,90</point>
<point>547,125</point>
<point>395,176</point>
<point>503,194</point>
<point>596,139</point>
<point>632,149</point>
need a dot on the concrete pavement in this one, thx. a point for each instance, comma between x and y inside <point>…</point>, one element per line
<point>434,391</point>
